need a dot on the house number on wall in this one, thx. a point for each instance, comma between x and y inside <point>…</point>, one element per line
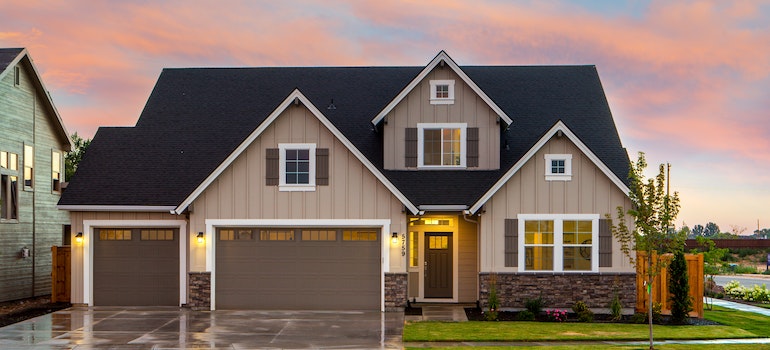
<point>403,244</point>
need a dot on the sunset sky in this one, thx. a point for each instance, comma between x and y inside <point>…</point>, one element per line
<point>688,82</point>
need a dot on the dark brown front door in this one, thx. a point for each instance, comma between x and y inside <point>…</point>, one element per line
<point>438,265</point>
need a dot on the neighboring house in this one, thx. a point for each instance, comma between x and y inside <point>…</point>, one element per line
<point>355,188</point>
<point>32,146</point>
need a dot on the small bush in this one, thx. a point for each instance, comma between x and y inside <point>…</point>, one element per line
<point>616,309</point>
<point>657,316</point>
<point>535,306</point>
<point>494,303</point>
<point>639,317</point>
<point>584,314</point>
<point>525,315</point>
<point>745,269</point>
<point>679,287</point>
<point>556,315</point>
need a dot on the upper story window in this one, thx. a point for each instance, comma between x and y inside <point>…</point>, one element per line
<point>297,166</point>
<point>56,171</point>
<point>442,92</point>
<point>441,145</point>
<point>29,162</point>
<point>9,160</point>
<point>558,167</point>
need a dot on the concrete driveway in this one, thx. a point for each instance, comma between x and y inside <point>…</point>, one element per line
<point>175,328</point>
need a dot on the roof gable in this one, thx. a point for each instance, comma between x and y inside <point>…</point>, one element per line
<point>9,58</point>
<point>441,58</point>
<point>295,97</point>
<point>558,127</point>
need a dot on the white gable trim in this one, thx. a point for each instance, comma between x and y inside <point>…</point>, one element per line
<point>43,90</point>
<point>441,57</point>
<point>559,126</point>
<point>295,96</point>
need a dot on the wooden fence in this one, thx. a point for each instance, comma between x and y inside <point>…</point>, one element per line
<point>60,274</point>
<point>660,292</point>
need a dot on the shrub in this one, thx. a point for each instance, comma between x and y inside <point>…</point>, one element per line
<point>745,269</point>
<point>584,314</point>
<point>639,317</point>
<point>494,303</point>
<point>657,317</point>
<point>679,287</point>
<point>556,315</point>
<point>535,306</point>
<point>758,294</point>
<point>616,309</point>
<point>525,315</point>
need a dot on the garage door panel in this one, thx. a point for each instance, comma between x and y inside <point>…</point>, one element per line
<point>297,274</point>
<point>136,272</point>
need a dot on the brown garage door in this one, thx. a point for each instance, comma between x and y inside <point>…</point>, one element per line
<point>136,267</point>
<point>294,269</point>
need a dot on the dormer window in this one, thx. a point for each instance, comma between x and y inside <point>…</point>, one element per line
<point>558,167</point>
<point>441,145</point>
<point>442,92</point>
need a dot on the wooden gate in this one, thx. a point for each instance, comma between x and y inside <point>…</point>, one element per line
<point>60,274</point>
<point>660,292</point>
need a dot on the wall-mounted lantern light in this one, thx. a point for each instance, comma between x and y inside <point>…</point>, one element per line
<point>79,238</point>
<point>200,237</point>
<point>394,238</point>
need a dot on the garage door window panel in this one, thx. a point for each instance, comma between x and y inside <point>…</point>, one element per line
<point>157,235</point>
<point>319,235</point>
<point>359,235</point>
<point>115,235</point>
<point>276,235</point>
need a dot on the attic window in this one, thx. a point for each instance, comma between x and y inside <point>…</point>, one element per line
<point>558,167</point>
<point>442,92</point>
<point>297,166</point>
<point>16,76</point>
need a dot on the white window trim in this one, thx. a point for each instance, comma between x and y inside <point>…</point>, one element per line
<point>443,100</point>
<point>558,252</point>
<point>421,144</point>
<point>567,176</point>
<point>282,185</point>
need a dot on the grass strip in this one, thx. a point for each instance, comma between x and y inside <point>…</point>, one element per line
<point>749,321</point>
<point>477,331</point>
<point>607,346</point>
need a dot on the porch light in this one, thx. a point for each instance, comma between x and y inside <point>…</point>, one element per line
<point>200,238</point>
<point>79,238</point>
<point>394,238</point>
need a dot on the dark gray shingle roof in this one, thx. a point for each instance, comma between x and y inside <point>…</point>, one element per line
<point>7,55</point>
<point>196,117</point>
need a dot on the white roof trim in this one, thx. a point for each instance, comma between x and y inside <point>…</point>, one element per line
<point>442,56</point>
<point>439,207</point>
<point>142,208</point>
<point>295,95</point>
<point>559,126</point>
<point>16,61</point>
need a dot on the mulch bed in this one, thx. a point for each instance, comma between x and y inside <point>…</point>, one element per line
<point>475,314</point>
<point>19,310</point>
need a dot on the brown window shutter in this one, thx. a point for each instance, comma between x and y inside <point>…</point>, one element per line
<point>322,166</point>
<point>410,152</point>
<point>511,242</point>
<point>472,147</point>
<point>605,243</point>
<point>272,159</point>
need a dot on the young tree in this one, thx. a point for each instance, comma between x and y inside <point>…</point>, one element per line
<point>653,211</point>
<point>73,157</point>
<point>679,287</point>
<point>712,256</point>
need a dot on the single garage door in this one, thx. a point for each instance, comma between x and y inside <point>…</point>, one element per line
<point>298,269</point>
<point>136,267</point>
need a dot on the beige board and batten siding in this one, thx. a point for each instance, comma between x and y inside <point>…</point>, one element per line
<point>138,219</point>
<point>589,191</point>
<point>239,192</point>
<point>27,119</point>
<point>415,108</point>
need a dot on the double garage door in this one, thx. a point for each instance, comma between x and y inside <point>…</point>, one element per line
<point>303,268</point>
<point>136,267</point>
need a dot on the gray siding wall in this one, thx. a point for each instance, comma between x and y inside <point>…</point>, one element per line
<point>467,108</point>
<point>26,120</point>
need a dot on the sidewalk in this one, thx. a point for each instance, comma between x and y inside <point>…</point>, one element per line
<point>741,307</point>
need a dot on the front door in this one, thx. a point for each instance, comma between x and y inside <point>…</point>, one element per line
<point>438,265</point>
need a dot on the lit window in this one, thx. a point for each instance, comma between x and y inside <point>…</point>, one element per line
<point>442,92</point>
<point>9,160</point>
<point>413,246</point>
<point>56,171</point>
<point>558,242</point>
<point>558,167</point>
<point>276,235</point>
<point>441,145</point>
<point>29,161</point>
<point>115,235</point>
<point>9,197</point>
<point>359,235</point>
<point>297,167</point>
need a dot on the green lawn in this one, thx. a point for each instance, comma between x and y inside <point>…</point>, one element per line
<point>754,323</point>
<point>552,331</point>
<point>621,347</point>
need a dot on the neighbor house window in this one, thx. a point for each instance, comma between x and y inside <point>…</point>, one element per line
<point>441,145</point>
<point>9,160</point>
<point>442,92</point>
<point>560,243</point>
<point>558,167</point>
<point>29,161</point>
<point>9,197</point>
<point>56,171</point>
<point>297,166</point>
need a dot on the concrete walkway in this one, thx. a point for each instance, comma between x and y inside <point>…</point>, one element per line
<point>741,307</point>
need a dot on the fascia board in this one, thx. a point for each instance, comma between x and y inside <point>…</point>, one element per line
<point>139,208</point>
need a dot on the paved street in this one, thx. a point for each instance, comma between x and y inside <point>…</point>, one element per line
<point>744,280</point>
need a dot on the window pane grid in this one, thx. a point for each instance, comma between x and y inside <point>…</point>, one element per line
<point>441,147</point>
<point>558,245</point>
<point>359,235</point>
<point>297,166</point>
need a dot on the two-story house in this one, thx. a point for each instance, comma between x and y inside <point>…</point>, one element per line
<point>355,188</point>
<point>33,142</point>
